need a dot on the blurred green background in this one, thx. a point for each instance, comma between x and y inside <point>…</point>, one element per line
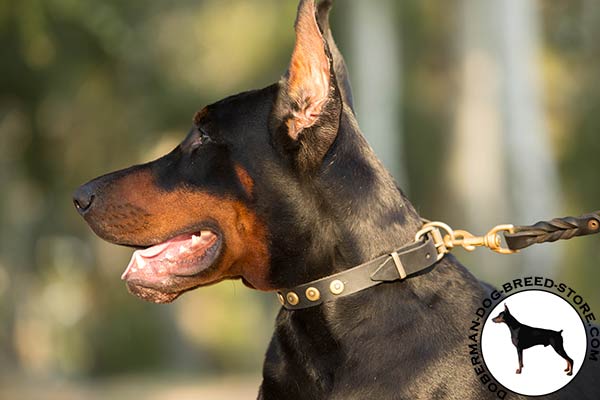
<point>486,111</point>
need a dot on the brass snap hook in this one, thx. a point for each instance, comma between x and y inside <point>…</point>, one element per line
<point>453,238</point>
<point>492,240</point>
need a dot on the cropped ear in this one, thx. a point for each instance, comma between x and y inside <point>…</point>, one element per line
<point>506,307</point>
<point>339,65</point>
<point>309,104</point>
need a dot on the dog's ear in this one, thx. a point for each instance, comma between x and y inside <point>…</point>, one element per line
<point>339,65</point>
<point>307,110</point>
<point>506,308</point>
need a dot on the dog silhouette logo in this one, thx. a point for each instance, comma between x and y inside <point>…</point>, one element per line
<point>525,336</point>
<point>541,334</point>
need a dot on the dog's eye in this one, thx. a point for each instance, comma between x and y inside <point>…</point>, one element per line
<point>199,138</point>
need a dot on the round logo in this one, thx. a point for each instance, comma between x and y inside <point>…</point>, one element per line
<point>533,342</point>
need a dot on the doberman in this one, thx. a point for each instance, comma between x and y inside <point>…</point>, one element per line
<point>524,337</point>
<point>277,187</point>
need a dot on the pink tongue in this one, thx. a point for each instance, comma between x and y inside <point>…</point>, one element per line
<point>155,260</point>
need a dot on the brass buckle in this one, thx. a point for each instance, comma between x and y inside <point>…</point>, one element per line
<point>442,246</point>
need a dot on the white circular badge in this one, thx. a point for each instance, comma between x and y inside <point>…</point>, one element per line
<point>533,342</point>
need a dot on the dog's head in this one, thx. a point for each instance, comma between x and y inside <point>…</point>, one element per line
<point>240,193</point>
<point>502,316</point>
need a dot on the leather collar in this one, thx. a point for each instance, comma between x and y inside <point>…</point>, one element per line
<point>394,266</point>
<point>429,247</point>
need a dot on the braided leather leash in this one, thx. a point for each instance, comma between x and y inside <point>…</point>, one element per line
<point>516,237</point>
<point>553,230</point>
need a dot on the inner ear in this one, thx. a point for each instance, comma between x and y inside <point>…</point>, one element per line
<point>305,118</point>
<point>309,77</point>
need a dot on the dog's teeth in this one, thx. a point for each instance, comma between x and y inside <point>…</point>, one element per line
<point>195,240</point>
<point>141,263</point>
<point>182,249</point>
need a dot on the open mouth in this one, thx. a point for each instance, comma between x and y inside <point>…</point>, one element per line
<point>156,273</point>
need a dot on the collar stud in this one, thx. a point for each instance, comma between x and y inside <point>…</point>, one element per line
<point>336,286</point>
<point>281,299</point>
<point>292,298</point>
<point>313,294</point>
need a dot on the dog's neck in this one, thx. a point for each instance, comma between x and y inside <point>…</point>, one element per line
<point>383,210</point>
<point>511,321</point>
<point>369,216</point>
<point>355,212</point>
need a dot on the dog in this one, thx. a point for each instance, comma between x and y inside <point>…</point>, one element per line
<point>524,337</point>
<point>277,187</point>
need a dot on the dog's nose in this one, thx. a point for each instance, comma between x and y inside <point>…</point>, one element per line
<point>83,198</point>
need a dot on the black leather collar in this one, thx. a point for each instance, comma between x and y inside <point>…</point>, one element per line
<point>395,266</point>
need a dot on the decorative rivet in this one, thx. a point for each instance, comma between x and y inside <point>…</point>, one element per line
<point>313,294</point>
<point>593,225</point>
<point>281,299</point>
<point>428,256</point>
<point>292,298</point>
<point>336,286</point>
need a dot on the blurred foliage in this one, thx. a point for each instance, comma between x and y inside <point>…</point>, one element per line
<point>87,87</point>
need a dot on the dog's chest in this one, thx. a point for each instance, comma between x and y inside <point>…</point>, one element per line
<point>514,336</point>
